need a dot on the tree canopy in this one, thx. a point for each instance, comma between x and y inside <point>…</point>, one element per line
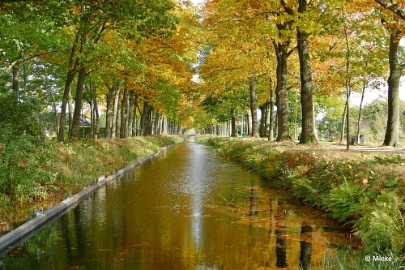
<point>143,67</point>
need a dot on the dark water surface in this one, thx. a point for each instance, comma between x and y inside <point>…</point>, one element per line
<point>186,209</point>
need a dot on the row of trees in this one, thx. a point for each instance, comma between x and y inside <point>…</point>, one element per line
<point>124,64</point>
<point>130,59</point>
<point>261,51</point>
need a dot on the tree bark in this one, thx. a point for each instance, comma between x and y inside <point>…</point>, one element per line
<point>247,121</point>
<point>253,107</point>
<point>359,120</point>
<point>233,123</point>
<point>155,123</point>
<point>92,118</point>
<point>146,119</point>
<point>135,125</point>
<point>16,81</point>
<point>74,131</point>
<point>393,123</point>
<point>66,92</point>
<point>130,119</point>
<point>95,115</point>
<point>70,111</point>
<point>124,113</point>
<point>115,112</point>
<point>65,100</point>
<point>307,104</point>
<point>271,122</point>
<point>262,129</point>
<point>283,132</point>
<point>342,130</point>
<point>108,117</point>
<point>164,126</point>
<point>118,115</point>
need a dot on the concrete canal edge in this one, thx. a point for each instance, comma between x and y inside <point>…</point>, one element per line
<point>14,237</point>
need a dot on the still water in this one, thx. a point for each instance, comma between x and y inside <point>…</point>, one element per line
<point>186,209</point>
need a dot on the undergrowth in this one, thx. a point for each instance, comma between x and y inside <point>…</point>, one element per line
<point>80,162</point>
<point>68,167</point>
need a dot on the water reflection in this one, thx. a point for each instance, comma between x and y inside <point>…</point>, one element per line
<point>186,209</point>
<point>306,246</point>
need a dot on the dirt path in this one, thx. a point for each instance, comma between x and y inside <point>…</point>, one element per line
<point>378,149</point>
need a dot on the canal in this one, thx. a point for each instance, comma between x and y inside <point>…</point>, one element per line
<point>185,209</point>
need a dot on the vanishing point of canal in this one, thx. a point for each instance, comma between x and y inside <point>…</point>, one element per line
<point>185,209</point>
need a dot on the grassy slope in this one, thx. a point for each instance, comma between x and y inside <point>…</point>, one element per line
<point>77,164</point>
<point>366,190</point>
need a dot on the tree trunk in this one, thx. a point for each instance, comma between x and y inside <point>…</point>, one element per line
<point>307,104</point>
<point>108,117</point>
<point>130,118</point>
<point>271,122</point>
<point>233,123</point>
<point>155,123</point>
<point>74,132</point>
<point>393,123</point>
<point>253,107</point>
<point>92,118</point>
<point>24,93</point>
<point>118,115</point>
<point>146,119</point>
<point>16,81</point>
<point>115,112</point>
<point>96,116</point>
<point>348,77</point>
<point>124,113</point>
<point>342,131</point>
<point>65,100</point>
<point>262,130</point>
<point>135,124</point>
<point>70,111</point>
<point>66,93</point>
<point>165,126</point>
<point>266,120</point>
<point>247,121</point>
<point>359,120</point>
<point>283,132</point>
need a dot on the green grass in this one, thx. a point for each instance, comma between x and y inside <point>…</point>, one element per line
<point>81,162</point>
<point>76,164</point>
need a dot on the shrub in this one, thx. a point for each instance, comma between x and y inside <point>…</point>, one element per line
<point>382,225</point>
<point>343,201</point>
<point>22,166</point>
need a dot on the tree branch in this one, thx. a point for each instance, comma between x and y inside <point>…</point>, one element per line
<point>286,7</point>
<point>398,10</point>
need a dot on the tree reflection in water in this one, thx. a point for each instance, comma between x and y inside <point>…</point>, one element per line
<point>187,209</point>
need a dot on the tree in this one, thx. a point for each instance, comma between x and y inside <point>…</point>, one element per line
<point>307,105</point>
<point>392,131</point>
<point>396,31</point>
<point>140,19</point>
<point>240,49</point>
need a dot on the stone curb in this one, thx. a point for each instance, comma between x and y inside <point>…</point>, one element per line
<point>14,237</point>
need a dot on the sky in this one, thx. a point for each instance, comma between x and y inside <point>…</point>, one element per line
<point>197,2</point>
<point>373,94</point>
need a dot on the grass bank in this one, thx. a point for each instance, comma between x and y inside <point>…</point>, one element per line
<point>365,191</point>
<point>70,166</point>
